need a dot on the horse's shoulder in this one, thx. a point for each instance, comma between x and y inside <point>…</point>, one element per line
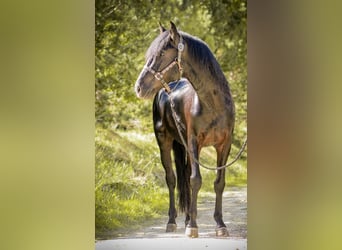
<point>196,107</point>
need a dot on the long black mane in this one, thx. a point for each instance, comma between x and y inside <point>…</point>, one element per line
<point>201,53</point>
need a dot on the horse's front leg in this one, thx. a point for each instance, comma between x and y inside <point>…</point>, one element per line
<point>165,155</point>
<point>195,184</point>
<point>219,184</point>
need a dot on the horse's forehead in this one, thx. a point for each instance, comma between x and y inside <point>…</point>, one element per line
<point>158,44</point>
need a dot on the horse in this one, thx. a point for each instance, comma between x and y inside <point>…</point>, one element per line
<point>199,97</point>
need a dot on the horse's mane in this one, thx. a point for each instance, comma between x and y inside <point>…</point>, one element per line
<point>201,54</point>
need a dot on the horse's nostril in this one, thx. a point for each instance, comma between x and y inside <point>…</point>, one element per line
<point>138,89</point>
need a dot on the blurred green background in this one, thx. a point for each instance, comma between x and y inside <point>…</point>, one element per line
<point>130,182</point>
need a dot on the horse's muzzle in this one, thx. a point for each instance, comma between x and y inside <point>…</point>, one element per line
<point>138,89</point>
<point>146,85</point>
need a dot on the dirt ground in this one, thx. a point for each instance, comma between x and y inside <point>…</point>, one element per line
<point>234,216</point>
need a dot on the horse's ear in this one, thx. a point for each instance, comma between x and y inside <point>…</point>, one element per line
<point>174,33</point>
<point>161,28</point>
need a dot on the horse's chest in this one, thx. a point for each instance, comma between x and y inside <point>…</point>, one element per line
<point>212,137</point>
<point>211,131</point>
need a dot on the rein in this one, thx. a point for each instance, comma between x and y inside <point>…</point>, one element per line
<point>179,125</point>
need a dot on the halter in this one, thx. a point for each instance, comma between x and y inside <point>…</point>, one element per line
<point>160,74</point>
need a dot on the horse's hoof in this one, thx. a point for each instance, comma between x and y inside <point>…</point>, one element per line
<point>222,232</point>
<point>191,232</point>
<point>171,227</point>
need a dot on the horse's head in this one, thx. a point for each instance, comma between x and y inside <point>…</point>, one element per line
<point>162,63</point>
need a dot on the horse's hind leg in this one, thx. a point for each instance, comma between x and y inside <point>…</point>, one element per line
<point>183,179</point>
<point>165,145</point>
<point>219,184</point>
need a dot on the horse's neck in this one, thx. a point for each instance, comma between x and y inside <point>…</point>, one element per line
<point>213,92</point>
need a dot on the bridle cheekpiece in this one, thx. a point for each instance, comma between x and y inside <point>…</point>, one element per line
<point>160,74</point>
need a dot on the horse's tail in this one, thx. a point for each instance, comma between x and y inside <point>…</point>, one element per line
<point>183,176</point>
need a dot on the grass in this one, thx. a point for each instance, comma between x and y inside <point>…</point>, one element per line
<point>127,181</point>
<point>130,181</point>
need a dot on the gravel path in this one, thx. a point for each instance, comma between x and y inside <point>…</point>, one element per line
<point>172,244</point>
<point>234,215</point>
<point>153,235</point>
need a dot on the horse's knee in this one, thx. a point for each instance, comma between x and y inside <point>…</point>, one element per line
<point>196,182</point>
<point>219,186</point>
<point>219,182</point>
<point>170,180</point>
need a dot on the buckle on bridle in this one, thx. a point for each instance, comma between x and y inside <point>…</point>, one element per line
<point>180,46</point>
<point>158,76</point>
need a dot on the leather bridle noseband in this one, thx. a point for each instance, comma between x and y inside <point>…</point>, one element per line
<point>160,74</point>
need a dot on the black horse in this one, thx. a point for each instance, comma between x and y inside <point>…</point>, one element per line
<point>205,108</point>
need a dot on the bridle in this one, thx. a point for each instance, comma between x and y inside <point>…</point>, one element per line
<point>159,75</point>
